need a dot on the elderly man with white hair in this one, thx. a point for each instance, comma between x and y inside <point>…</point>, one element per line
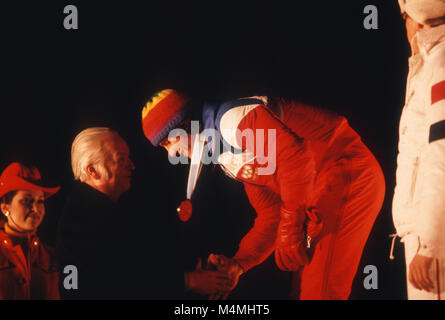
<point>100,158</point>
<point>419,198</point>
<point>107,239</point>
<point>87,229</point>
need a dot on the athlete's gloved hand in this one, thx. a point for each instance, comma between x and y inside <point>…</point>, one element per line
<point>290,251</point>
<point>206,282</point>
<point>231,267</point>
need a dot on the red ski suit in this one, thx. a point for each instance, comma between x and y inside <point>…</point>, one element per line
<point>320,161</point>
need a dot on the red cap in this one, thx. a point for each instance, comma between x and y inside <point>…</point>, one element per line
<point>18,177</point>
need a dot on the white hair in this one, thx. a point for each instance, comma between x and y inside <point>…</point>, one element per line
<point>87,149</point>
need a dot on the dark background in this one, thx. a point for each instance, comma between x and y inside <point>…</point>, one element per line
<point>56,82</point>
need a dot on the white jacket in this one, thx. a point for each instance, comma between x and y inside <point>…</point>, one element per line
<point>419,198</point>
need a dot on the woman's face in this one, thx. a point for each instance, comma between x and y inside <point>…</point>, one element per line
<point>26,210</point>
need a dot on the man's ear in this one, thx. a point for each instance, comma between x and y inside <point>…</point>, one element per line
<point>92,172</point>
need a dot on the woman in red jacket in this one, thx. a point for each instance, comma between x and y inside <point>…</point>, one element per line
<point>315,186</point>
<point>28,269</point>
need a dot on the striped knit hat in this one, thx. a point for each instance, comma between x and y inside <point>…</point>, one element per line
<point>162,113</point>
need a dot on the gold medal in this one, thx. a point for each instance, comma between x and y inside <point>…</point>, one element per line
<point>185,210</point>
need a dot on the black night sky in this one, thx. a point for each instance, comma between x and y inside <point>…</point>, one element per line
<point>57,82</point>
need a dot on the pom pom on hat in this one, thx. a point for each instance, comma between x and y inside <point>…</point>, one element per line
<point>162,113</point>
<point>423,10</point>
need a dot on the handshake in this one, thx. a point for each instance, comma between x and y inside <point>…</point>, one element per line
<point>295,232</point>
<point>218,279</point>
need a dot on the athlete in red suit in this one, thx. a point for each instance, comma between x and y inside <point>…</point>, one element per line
<point>316,197</point>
